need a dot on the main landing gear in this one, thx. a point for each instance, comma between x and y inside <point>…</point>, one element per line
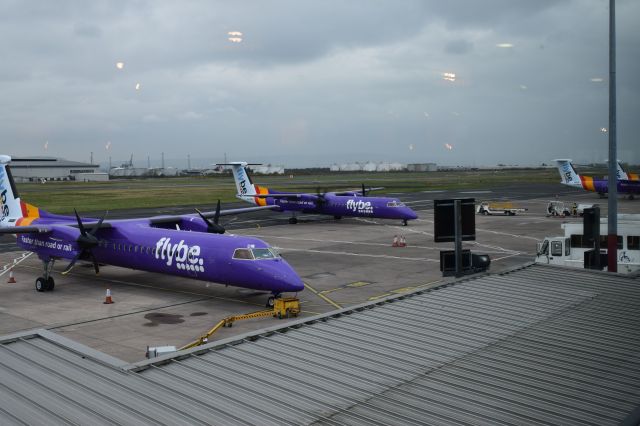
<point>293,220</point>
<point>404,222</point>
<point>46,283</point>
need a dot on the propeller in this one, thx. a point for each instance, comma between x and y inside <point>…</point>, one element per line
<point>321,200</point>
<point>213,227</point>
<point>364,192</point>
<point>86,241</point>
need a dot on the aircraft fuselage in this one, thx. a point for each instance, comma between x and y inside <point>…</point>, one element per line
<point>196,254</point>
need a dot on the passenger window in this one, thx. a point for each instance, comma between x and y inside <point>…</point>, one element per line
<point>556,248</point>
<point>578,241</point>
<point>604,242</point>
<point>633,242</point>
<point>242,253</point>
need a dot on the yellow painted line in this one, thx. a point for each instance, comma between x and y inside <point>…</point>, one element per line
<point>380,296</point>
<point>358,284</point>
<point>322,296</point>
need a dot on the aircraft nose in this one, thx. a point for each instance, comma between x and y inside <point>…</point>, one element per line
<point>282,277</point>
<point>410,214</point>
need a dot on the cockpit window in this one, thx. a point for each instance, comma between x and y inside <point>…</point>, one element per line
<point>255,253</point>
<point>243,253</point>
<point>395,204</point>
<point>262,253</point>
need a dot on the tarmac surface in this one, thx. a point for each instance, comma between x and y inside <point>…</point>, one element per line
<point>342,262</point>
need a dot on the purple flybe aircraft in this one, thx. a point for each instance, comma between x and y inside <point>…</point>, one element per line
<point>189,246</point>
<point>336,204</point>
<point>571,178</point>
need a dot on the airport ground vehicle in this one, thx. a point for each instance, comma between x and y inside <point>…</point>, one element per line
<point>503,208</point>
<point>569,249</point>
<point>558,208</point>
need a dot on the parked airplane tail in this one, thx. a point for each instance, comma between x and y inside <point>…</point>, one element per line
<point>13,211</point>
<point>245,187</point>
<point>568,173</point>
<point>623,175</point>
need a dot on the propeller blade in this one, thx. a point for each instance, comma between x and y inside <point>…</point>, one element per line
<point>71,264</point>
<point>95,263</point>
<point>80,225</point>
<point>97,225</point>
<point>212,227</point>
<point>217,216</point>
<point>364,193</point>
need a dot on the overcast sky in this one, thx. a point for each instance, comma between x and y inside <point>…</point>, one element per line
<point>314,82</point>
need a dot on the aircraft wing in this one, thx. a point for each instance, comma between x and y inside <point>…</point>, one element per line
<point>25,230</point>
<point>287,196</point>
<point>358,192</point>
<point>208,215</point>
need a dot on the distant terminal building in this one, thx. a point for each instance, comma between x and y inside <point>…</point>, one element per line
<point>369,166</point>
<point>422,167</point>
<point>268,170</point>
<point>40,169</point>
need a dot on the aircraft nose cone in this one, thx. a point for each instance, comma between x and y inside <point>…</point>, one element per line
<point>281,277</point>
<point>410,214</point>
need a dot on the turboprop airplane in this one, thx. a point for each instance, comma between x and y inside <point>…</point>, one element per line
<point>189,246</point>
<point>571,178</point>
<point>336,204</point>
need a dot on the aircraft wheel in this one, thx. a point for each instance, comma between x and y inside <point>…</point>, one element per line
<point>271,301</point>
<point>50,284</point>
<point>484,212</point>
<point>404,222</point>
<point>41,284</point>
<point>337,217</point>
<point>293,220</point>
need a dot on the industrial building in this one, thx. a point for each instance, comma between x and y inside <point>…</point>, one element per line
<point>40,169</point>
<point>535,345</point>
<point>422,167</point>
<point>369,166</point>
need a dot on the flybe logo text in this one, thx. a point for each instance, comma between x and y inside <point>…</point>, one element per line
<point>241,179</point>
<point>360,206</point>
<point>4,208</point>
<point>567,173</point>
<point>186,257</point>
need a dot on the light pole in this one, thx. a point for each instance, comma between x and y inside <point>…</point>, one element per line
<point>612,222</point>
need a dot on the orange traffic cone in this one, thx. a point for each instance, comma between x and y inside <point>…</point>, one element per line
<point>403,242</point>
<point>395,241</point>
<point>11,279</point>
<point>107,299</point>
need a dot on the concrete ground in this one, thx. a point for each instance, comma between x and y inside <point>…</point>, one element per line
<point>343,263</point>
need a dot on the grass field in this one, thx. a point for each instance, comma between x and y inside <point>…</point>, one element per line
<point>62,197</point>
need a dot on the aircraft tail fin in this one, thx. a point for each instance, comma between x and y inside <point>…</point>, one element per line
<point>621,173</point>
<point>568,173</point>
<point>244,185</point>
<point>12,210</point>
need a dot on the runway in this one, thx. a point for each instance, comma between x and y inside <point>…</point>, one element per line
<point>342,262</point>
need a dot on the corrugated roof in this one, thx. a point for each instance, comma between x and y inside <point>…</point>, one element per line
<point>539,345</point>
